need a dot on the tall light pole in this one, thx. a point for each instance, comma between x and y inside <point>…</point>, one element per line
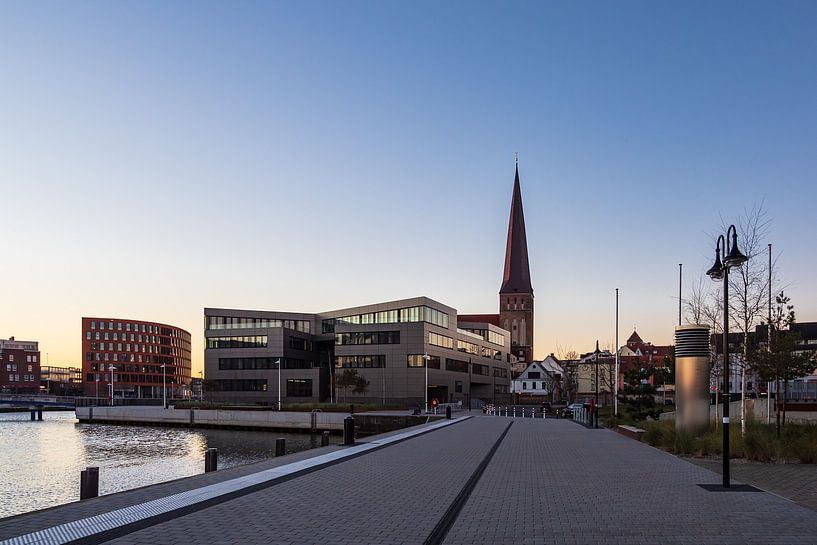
<point>769,331</point>
<point>732,258</point>
<point>278,362</point>
<point>112,368</point>
<point>164,386</point>
<point>596,408</point>
<point>615,401</point>
<point>680,283</point>
<point>426,357</point>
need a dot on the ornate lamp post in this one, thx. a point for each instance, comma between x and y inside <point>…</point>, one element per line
<point>596,403</point>
<point>720,270</point>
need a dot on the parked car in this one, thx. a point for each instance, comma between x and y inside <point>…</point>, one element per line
<point>570,409</point>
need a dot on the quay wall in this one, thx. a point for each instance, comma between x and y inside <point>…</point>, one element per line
<point>243,419</point>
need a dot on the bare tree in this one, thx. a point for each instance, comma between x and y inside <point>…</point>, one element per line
<point>749,287</point>
<point>570,379</point>
<point>697,300</point>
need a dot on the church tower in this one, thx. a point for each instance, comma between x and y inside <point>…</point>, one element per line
<point>516,292</point>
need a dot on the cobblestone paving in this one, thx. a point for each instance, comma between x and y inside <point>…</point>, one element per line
<point>797,482</point>
<point>563,484</point>
<point>395,495</point>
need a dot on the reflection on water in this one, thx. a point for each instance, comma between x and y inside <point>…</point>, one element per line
<point>40,461</point>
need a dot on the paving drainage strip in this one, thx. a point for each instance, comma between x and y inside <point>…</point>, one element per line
<point>106,526</point>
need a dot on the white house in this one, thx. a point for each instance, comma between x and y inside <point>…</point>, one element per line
<point>540,378</point>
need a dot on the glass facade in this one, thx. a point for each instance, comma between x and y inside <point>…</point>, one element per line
<point>416,360</point>
<point>368,337</point>
<point>403,315</point>
<point>465,346</point>
<point>299,387</point>
<point>436,339</point>
<point>234,364</point>
<point>350,362</point>
<point>500,372</point>
<point>479,369</point>
<point>234,322</point>
<point>491,336</point>
<point>239,385</point>
<point>297,343</point>
<point>251,341</point>
<point>456,365</point>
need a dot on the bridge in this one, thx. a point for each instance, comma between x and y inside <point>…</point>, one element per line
<point>21,400</point>
<point>471,480</point>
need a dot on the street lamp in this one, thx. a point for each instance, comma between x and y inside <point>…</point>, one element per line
<point>112,368</point>
<point>732,258</point>
<point>278,362</point>
<point>164,386</point>
<point>596,408</point>
<point>426,357</point>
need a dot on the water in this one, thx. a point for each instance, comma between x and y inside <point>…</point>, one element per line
<point>40,462</point>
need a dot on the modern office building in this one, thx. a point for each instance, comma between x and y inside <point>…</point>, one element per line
<point>134,358</point>
<point>19,366</point>
<point>61,381</point>
<point>387,344</point>
<point>516,292</point>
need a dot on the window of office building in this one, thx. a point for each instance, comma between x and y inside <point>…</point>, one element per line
<point>264,363</point>
<point>328,325</point>
<point>456,365</point>
<point>236,322</point>
<point>239,385</point>
<point>465,346</point>
<point>296,343</point>
<point>443,341</point>
<point>458,386</point>
<point>416,360</point>
<point>368,337</point>
<point>479,369</point>
<point>350,362</point>
<point>252,341</point>
<point>403,315</point>
<point>299,387</point>
<point>500,372</point>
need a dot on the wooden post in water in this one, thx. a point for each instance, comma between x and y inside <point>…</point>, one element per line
<point>280,447</point>
<point>89,483</point>
<point>211,460</point>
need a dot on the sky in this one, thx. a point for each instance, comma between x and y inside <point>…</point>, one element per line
<point>157,158</point>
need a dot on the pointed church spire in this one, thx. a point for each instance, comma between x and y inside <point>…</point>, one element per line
<point>516,277</point>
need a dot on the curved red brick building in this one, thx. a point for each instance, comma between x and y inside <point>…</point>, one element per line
<point>137,350</point>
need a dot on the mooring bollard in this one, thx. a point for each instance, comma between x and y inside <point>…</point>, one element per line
<point>280,447</point>
<point>325,439</point>
<point>348,431</point>
<point>448,412</point>
<point>39,412</point>
<point>211,460</point>
<point>33,414</point>
<point>89,483</point>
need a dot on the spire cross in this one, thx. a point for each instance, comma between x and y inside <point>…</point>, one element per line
<point>516,156</point>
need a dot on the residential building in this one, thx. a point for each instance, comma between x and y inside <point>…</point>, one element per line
<point>540,379</point>
<point>135,358</point>
<point>591,369</point>
<point>516,291</point>
<point>61,381</point>
<point>19,366</point>
<point>391,345</point>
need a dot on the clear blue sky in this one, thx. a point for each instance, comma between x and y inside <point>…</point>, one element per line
<point>159,157</point>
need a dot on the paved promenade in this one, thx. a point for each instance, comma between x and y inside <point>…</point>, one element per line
<point>477,481</point>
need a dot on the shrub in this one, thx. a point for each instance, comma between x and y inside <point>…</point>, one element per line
<point>759,445</point>
<point>683,442</point>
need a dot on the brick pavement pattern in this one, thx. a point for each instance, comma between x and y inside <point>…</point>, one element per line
<point>550,482</point>
<point>564,484</point>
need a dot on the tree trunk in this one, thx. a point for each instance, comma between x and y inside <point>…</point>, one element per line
<point>743,380</point>
<point>785,396</point>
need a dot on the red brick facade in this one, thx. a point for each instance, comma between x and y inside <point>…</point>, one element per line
<point>19,366</point>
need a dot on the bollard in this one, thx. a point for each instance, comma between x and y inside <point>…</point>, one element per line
<point>280,447</point>
<point>325,439</point>
<point>313,422</point>
<point>33,415</point>
<point>348,431</point>
<point>211,460</point>
<point>514,411</point>
<point>448,412</point>
<point>89,483</point>
<point>40,413</point>
<point>351,408</point>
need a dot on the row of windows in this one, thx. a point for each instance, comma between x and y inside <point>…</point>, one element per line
<point>127,347</point>
<point>134,337</point>
<point>442,341</point>
<point>131,379</point>
<point>250,341</point>
<point>350,362</point>
<point>237,364</point>
<point>145,328</point>
<point>299,387</point>
<point>456,365</point>
<point>26,378</point>
<point>238,385</point>
<point>489,335</point>
<point>296,343</point>
<point>470,348</point>
<point>132,358</point>
<point>29,358</point>
<point>13,367</point>
<point>403,315</point>
<point>235,322</point>
<point>156,369</point>
<point>533,386</point>
<point>368,337</point>
<point>417,360</point>
<point>479,369</point>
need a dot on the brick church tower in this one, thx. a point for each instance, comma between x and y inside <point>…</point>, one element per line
<point>516,292</point>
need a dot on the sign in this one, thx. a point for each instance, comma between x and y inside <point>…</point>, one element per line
<point>434,402</point>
